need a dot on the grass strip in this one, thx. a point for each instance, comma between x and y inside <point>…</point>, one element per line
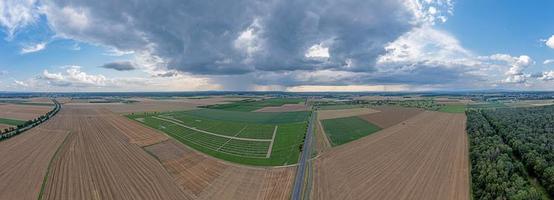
<point>43,185</point>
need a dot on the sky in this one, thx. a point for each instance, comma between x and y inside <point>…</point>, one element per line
<point>276,45</point>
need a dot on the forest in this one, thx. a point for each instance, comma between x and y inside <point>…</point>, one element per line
<point>512,152</point>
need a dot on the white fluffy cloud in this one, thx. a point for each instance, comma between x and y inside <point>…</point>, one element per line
<point>550,42</point>
<point>547,76</point>
<point>515,74</point>
<point>33,48</point>
<point>548,61</point>
<point>74,78</point>
<point>16,14</point>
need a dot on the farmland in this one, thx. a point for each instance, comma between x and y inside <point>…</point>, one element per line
<point>140,105</point>
<point>248,105</point>
<point>343,130</point>
<point>247,138</point>
<point>389,115</point>
<point>202,177</point>
<point>96,150</point>
<point>331,114</point>
<point>453,108</point>
<point>25,159</point>
<point>12,122</point>
<point>22,112</point>
<point>424,157</point>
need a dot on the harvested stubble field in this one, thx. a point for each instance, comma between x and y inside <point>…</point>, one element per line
<point>25,159</point>
<point>424,157</point>
<point>389,115</point>
<point>331,114</point>
<point>153,105</point>
<point>202,177</point>
<point>22,112</point>
<point>97,161</point>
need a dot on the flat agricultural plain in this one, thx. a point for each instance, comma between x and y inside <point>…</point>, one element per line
<point>424,157</point>
<point>140,105</point>
<point>89,152</point>
<point>269,139</point>
<point>346,129</point>
<point>22,112</point>
<point>25,159</point>
<point>202,177</point>
<point>331,114</point>
<point>284,108</point>
<point>390,115</point>
<point>97,161</point>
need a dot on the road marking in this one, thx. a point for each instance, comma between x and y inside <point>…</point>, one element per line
<point>272,140</point>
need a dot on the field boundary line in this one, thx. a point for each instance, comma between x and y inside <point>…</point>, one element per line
<point>272,140</point>
<point>210,133</point>
<point>43,185</point>
<point>325,136</point>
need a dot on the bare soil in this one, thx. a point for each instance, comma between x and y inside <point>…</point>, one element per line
<point>203,177</point>
<point>425,157</point>
<point>22,112</point>
<point>25,159</point>
<point>322,141</point>
<point>153,105</point>
<point>332,114</point>
<point>98,162</point>
<point>390,116</point>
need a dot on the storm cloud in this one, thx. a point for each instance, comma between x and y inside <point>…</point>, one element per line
<point>237,37</point>
<point>120,66</point>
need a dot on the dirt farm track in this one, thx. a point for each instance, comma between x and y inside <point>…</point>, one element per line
<point>424,157</point>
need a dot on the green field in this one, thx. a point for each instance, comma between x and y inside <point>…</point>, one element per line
<point>13,122</point>
<point>248,117</point>
<point>344,130</point>
<point>248,105</point>
<point>454,108</point>
<point>487,105</point>
<point>234,136</point>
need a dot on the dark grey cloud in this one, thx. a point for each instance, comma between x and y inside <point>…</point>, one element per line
<point>241,36</point>
<point>120,66</point>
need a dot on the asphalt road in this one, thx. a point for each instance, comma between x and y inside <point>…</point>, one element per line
<point>304,159</point>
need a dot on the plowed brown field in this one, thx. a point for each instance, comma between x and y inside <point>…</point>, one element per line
<point>332,114</point>
<point>423,158</point>
<point>25,158</point>
<point>97,162</point>
<point>390,116</point>
<point>202,177</point>
<point>22,112</point>
<point>137,133</point>
<point>152,105</point>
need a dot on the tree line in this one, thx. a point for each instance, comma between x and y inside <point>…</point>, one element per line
<point>495,173</point>
<point>13,131</point>
<point>530,133</point>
